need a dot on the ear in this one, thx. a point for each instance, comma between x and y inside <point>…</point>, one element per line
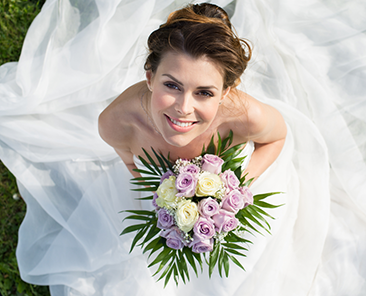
<point>225,93</point>
<point>149,78</point>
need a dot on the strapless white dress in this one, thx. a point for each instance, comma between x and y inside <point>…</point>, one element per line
<point>308,62</point>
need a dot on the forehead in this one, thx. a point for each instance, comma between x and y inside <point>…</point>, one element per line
<point>201,69</point>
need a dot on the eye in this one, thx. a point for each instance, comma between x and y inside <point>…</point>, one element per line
<point>205,93</point>
<point>171,85</point>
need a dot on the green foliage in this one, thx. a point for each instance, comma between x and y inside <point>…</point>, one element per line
<point>12,213</point>
<point>152,182</point>
<point>177,264</point>
<point>15,18</point>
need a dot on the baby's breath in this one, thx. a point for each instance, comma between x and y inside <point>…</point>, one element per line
<point>184,162</point>
<point>219,237</point>
<point>221,192</point>
<point>240,231</point>
<point>197,161</point>
<point>187,237</point>
<point>180,163</point>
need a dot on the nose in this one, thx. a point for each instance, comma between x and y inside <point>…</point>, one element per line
<point>184,104</point>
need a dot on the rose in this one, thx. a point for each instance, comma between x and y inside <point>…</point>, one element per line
<point>174,238</point>
<point>165,220</point>
<point>208,184</point>
<point>204,228</point>
<point>186,184</point>
<point>212,163</point>
<point>186,215</point>
<point>230,180</point>
<point>233,201</point>
<point>154,201</point>
<point>166,192</point>
<point>208,207</point>
<point>201,246</point>
<point>166,175</point>
<point>191,168</point>
<point>225,221</point>
<point>248,196</point>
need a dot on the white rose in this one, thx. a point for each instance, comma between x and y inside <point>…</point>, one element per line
<point>186,215</point>
<point>208,184</point>
<point>166,193</point>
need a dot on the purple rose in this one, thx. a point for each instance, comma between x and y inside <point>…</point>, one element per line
<point>208,207</point>
<point>166,175</point>
<point>186,185</point>
<point>201,246</point>
<point>248,196</point>
<point>165,220</point>
<point>191,168</point>
<point>225,221</point>
<point>212,163</point>
<point>204,228</point>
<point>230,180</point>
<point>174,238</point>
<point>233,201</point>
<point>154,201</point>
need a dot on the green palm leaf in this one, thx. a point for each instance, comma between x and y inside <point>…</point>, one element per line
<point>157,169</point>
<point>174,263</point>
<point>161,161</point>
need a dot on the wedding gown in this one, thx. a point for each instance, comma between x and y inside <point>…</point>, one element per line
<point>309,62</point>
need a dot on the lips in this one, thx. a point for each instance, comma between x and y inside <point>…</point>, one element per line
<point>181,126</point>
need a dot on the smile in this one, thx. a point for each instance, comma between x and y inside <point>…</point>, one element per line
<point>179,123</point>
<point>180,126</point>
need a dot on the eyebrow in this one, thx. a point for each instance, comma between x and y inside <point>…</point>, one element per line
<point>180,83</point>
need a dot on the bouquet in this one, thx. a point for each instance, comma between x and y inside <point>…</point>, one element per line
<point>203,208</point>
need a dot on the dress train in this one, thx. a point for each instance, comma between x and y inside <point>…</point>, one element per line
<point>308,62</point>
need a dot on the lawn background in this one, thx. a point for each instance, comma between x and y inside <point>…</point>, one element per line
<point>15,19</point>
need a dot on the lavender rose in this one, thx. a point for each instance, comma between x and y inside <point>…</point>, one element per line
<point>174,238</point>
<point>233,201</point>
<point>225,221</point>
<point>154,201</point>
<point>208,207</point>
<point>204,228</point>
<point>230,180</point>
<point>201,246</point>
<point>248,196</point>
<point>186,185</point>
<point>165,220</point>
<point>191,168</point>
<point>166,175</point>
<point>212,163</point>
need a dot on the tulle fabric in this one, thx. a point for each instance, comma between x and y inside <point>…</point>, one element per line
<point>309,62</point>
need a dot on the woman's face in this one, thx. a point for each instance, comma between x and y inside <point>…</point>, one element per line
<point>185,98</point>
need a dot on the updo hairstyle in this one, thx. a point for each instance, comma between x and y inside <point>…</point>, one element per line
<point>201,30</point>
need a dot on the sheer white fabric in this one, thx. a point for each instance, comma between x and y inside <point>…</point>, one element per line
<point>309,62</point>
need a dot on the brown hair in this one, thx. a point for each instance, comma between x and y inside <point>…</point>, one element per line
<point>201,30</point>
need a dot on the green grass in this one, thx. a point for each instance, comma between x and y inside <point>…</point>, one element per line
<point>15,19</point>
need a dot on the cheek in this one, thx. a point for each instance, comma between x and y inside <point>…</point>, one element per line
<point>160,102</point>
<point>208,111</point>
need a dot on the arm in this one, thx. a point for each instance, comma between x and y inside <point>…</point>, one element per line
<point>263,156</point>
<point>267,129</point>
<point>117,133</point>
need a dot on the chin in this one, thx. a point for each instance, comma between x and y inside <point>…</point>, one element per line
<point>178,141</point>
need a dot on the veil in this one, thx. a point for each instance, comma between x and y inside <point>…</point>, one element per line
<point>78,56</point>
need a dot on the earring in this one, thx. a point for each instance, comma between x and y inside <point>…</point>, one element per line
<point>220,102</point>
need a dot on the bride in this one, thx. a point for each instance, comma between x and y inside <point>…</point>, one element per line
<point>305,135</point>
<point>194,65</point>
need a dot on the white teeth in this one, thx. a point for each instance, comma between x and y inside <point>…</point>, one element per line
<point>182,124</point>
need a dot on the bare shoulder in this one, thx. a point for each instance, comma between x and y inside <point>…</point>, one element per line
<point>257,121</point>
<point>116,123</point>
